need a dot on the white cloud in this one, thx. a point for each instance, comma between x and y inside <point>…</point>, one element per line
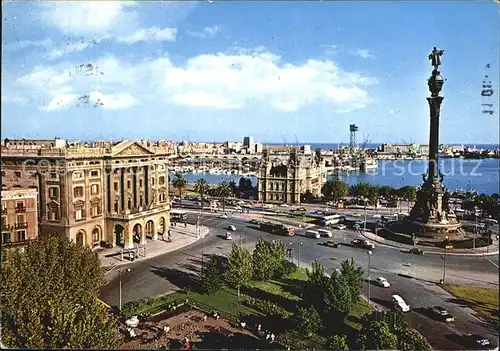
<point>364,53</point>
<point>67,49</point>
<point>330,49</point>
<point>149,34</point>
<point>94,99</point>
<point>207,32</point>
<point>22,44</point>
<point>217,81</point>
<point>88,17</point>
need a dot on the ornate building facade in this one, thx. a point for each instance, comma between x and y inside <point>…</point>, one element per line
<point>283,179</point>
<point>19,216</point>
<point>109,192</point>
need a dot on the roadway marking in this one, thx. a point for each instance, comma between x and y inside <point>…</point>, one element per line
<point>493,263</point>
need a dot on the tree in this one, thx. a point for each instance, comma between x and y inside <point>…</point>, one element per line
<point>361,189</point>
<point>338,342</point>
<point>411,340</point>
<point>337,297</point>
<point>49,298</point>
<point>315,286</point>
<point>308,320</point>
<point>224,191</point>
<point>212,275</point>
<point>239,267</point>
<point>395,320</point>
<point>408,193</point>
<point>353,275</point>
<point>180,185</point>
<point>373,195</point>
<point>376,335</point>
<point>335,190</point>
<point>262,260</point>
<point>388,192</point>
<point>201,187</point>
<point>234,188</point>
<point>278,256</point>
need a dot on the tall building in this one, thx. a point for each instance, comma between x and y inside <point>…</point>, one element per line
<point>283,179</point>
<point>95,193</point>
<point>249,144</point>
<point>19,216</point>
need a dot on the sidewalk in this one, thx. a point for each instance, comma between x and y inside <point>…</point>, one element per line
<point>181,237</point>
<point>492,250</point>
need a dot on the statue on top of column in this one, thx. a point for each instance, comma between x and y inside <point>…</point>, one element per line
<point>435,57</point>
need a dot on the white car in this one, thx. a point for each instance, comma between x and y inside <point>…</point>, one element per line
<point>231,228</point>
<point>284,205</point>
<point>229,236</point>
<point>399,302</point>
<point>340,226</point>
<point>383,282</point>
<point>222,216</point>
<point>377,216</point>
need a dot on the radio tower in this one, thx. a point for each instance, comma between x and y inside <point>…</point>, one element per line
<point>353,128</point>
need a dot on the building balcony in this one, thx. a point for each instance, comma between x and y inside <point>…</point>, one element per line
<point>20,209</point>
<point>5,227</point>
<point>17,243</point>
<point>21,225</point>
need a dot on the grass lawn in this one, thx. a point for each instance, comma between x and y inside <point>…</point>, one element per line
<point>483,300</point>
<point>359,310</point>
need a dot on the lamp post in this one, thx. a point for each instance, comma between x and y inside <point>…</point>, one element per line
<point>299,244</point>
<point>120,280</point>
<point>369,276</point>
<point>364,224</point>
<point>474,234</point>
<point>444,259</point>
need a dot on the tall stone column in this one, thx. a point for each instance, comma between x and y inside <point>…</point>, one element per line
<point>109,190</point>
<point>146,185</point>
<point>134,186</point>
<point>42,205</point>
<point>435,108</point>
<point>64,179</point>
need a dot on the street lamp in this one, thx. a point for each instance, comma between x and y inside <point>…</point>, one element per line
<point>299,244</point>
<point>369,276</point>
<point>444,259</point>
<point>120,279</point>
<point>364,224</point>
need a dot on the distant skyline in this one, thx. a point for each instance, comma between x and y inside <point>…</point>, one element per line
<point>217,71</point>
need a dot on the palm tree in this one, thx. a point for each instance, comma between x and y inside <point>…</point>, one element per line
<point>224,190</point>
<point>180,185</point>
<point>201,187</point>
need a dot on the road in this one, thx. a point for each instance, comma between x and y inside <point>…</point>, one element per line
<point>159,275</point>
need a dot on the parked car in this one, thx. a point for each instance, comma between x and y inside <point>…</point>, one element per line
<point>416,251</point>
<point>355,214</point>
<point>383,282</point>
<point>356,242</point>
<point>313,234</point>
<point>478,342</point>
<point>253,221</point>
<point>325,233</point>
<point>340,226</point>
<point>222,216</point>
<point>331,243</point>
<point>400,303</point>
<point>231,228</point>
<point>365,244</point>
<point>377,216</point>
<point>442,314</point>
<point>229,236</point>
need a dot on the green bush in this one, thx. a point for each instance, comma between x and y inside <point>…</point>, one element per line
<point>285,269</point>
<point>268,308</point>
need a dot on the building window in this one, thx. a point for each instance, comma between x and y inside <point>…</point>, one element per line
<point>94,173</point>
<point>3,173</point>
<point>77,175</point>
<point>95,210</point>
<point>79,213</point>
<point>129,204</point>
<point>78,191</point>
<point>18,174</point>
<point>94,189</point>
<point>5,225</point>
<point>20,219</point>
<point>162,180</point>
<point>128,184</point>
<point>140,183</point>
<point>115,186</point>
<point>21,235</point>
<point>152,181</point>
<point>6,237</point>
<point>140,201</point>
<point>116,206</point>
<point>53,175</point>
<point>162,197</point>
<point>53,213</point>
<point>53,192</point>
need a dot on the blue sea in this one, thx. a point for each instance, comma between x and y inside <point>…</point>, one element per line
<point>466,174</point>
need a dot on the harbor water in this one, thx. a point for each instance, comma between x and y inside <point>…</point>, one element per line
<point>464,174</point>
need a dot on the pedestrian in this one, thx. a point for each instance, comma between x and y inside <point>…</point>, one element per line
<point>185,225</point>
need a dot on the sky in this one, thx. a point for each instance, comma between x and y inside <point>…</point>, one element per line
<point>216,71</point>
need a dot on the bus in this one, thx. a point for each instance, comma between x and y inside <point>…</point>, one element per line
<point>331,219</point>
<point>275,228</point>
<point>177,216</point>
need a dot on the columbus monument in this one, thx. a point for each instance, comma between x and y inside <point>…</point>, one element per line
<point>431,216</point>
